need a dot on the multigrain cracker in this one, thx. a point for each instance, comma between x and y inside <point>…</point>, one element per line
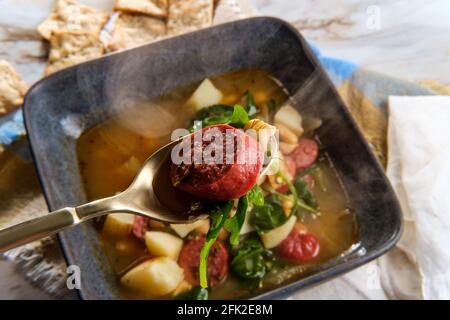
<point>156,8</point>
<point>63,44</point>
<point>189,15</point>
<point>12,88</point>
<point>83,55</point>
<point>132,30</point>
<point>70,48</point>
<point>70,16</point>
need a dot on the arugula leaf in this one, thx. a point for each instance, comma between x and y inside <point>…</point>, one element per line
<point>219,114</point>
<point>272,215</point>
<point>269,216</point>
<point>256,196</point>
<point>304,193</point>
<point>298,202</point>
<point>234,224</point>
<point>215,114</point>
<point>239,118</point>
<point>218,218</point>
<point>252,260</point>
<point>251,107</point>
<point>198,293</point>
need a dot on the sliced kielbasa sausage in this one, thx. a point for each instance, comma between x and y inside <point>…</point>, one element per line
<point>305,154</point>
<point>217,267</point>
<point>228,168</point>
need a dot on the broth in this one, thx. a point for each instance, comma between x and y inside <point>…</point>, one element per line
<point>111,153</point>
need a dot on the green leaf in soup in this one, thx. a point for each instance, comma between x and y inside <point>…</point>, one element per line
<point>255,196</point>
<point>304,193</point>
<point>251,107</point>
<point>251,259</point>
<point>239,118</point>
<point>268,216</point>
<point>218,217</point>
<point>215,114</point>
<point>197,293</point>
<point>298,201</point>
<point>292,190</point>
<point>219,114</point>
<point>234,224</point>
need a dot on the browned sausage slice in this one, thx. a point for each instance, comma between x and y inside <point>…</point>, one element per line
<point>228,168</point>
<point>189,260</point>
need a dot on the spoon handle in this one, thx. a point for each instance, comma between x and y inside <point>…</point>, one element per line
<point>38,228</point>
<point>56,221</point>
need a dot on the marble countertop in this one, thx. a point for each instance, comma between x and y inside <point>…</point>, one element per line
<point>405,39</point>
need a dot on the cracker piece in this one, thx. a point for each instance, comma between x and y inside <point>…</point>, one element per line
<point>63,44</point>
<point>12,88</point>
<point>70,16</point>
<point>68,49</point>
<point>135,29</point>
<point>189,15</point>
<point>157,8</point>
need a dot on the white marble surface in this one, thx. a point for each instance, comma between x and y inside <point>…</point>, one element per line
<point>406,39</point>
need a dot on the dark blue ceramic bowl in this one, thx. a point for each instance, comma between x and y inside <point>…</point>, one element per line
<point>61,106</point>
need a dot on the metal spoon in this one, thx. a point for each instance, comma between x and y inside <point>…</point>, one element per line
<point>139,198</point>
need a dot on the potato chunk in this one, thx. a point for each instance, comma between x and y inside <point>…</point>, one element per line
<point>155,277</point>
<point>204,96</point>
<point>118,224</point>
<point>163,244</point>
<point>184,229</point>
<point>275,236</point>
<point>290,118</point>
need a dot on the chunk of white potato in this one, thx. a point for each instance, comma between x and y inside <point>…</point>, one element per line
<point>274,237</point>
<point>204,96</point>
<point>118,224</point>
<point>184,229</point>
<point>286,134</point>
<point>163,244</point>
<point>289,117</point>
<point>287,148</point>
<point>155,277</point>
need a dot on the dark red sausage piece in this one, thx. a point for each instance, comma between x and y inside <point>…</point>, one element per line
<point>305,154</point>
<point>189,260</point>
<point>140,227</point>
<point>298,247</point>
<point>219,178</point>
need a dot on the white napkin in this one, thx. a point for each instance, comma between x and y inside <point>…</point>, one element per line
<point>419,170</point>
